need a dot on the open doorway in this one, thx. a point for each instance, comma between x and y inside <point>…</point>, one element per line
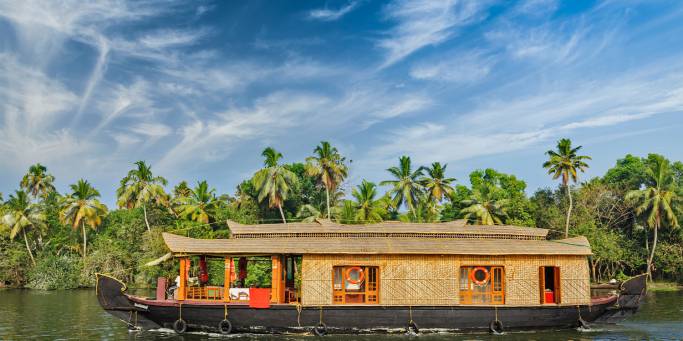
<point>549,284</point>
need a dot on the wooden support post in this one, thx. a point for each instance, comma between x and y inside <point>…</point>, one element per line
<point>182,286</point>
<point>277,289</point>
<point>226,283</point>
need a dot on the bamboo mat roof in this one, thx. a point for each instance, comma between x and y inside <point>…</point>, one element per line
<point>322,228</point>
<point>180,245</point>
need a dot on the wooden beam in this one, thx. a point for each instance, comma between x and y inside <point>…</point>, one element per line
<point>228,278</point>
<point>184,270</point>
<point>277,287</point>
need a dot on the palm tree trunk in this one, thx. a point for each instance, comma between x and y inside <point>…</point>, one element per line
<point>85,239</point>
<point>569,211</point>
<point>282,214</point>
<point>33,260</point>
<point>144,210</point>
<point>652,252</point>
<point>327,194</point>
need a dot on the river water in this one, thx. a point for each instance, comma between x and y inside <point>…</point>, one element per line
<point>76,315</point>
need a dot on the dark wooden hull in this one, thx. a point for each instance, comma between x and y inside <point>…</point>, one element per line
<point>280,318</point>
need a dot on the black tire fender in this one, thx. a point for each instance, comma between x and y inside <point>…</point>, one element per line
<point>496,327</point>
<point>225,327</point>
<point>180,326</point>
<point>320,329</point>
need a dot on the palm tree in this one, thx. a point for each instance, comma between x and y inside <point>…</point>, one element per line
<point>200,205</point>
<point>140,188</point>
<point>565,162</point>
<point>346,212</point>
<point>182,190</point>
<point>274,181</point>
<point>406,186</point>
<point>437,185</point>
<point>483,209</point>
<point>308,213</point>
<point>367,208</point>
<point>656,202</point>
<point>328,166</point>
<point>81,208</point>
<point>37,182</point>
<point>22,215</point>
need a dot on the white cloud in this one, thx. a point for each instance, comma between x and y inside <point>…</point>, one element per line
<point>152,130</point>
<point>271,115</point>
<point>537,7</point>
<point>523,121</point>
<point>421,23</point>
<point>170,38</point>
<point>32,101</point>
<point>325,14</point>
<point>546,42</point>
<point>466,67</point>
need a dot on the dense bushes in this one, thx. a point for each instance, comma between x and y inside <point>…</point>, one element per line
<point>55,272</point>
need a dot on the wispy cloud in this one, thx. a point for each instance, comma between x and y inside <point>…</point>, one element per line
<point>215,139</point>
<point>542,42</point>
<point>326,14</point>
<point>422,23</point>
<point>526,121</point>
<point>466,67</point>
<point>536,7</point>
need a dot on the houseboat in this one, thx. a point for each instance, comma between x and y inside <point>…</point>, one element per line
<point>325,277</point>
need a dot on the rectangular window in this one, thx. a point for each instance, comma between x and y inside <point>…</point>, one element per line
<point>482,285</point>
<point>355,285</point>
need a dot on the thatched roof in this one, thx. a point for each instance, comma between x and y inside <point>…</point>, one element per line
<point>383,245</point>
<point>323,228</point>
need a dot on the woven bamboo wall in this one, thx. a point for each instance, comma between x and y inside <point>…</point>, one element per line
<point>433,280</point>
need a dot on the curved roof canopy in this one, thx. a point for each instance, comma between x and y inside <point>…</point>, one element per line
<point>326,237</point>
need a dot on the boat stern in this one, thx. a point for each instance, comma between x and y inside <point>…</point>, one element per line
<point>628,302</point>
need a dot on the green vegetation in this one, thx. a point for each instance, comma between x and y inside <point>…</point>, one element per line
<point>50,240</point>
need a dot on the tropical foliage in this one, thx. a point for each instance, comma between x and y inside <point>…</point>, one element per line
<point>37,181</point>
<point>328,166</point>
<point>629,215</point>
<point>655,204</point>
<point>23,217</point>
<point>81,208</point>
<point>405,187</point>
<point>199,204</point>
<point>564,162</point>
<point>140,188</point>
<point>274,182</point>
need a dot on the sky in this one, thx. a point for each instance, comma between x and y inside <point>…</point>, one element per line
<point>199,88</point>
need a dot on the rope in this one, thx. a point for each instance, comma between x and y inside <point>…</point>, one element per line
<point>180,311</point>
<point>496,310</point>
<point>225,312</point>
<point>578,308</point>
<point>136,319</point>
<point>321,315</point>
<point>410,312</point>
<point>299,308</point>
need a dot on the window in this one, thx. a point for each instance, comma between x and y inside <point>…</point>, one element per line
<point>482,285</point>
<point>355,285</point>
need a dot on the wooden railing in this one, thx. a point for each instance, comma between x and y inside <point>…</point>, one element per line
<point>205,293</point>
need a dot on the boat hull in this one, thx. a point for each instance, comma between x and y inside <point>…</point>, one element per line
<point>281,318</point>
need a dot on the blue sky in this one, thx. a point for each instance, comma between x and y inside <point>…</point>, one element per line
<point>199,88</point>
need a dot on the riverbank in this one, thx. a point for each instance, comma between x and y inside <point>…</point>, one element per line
<point>664,286</point>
